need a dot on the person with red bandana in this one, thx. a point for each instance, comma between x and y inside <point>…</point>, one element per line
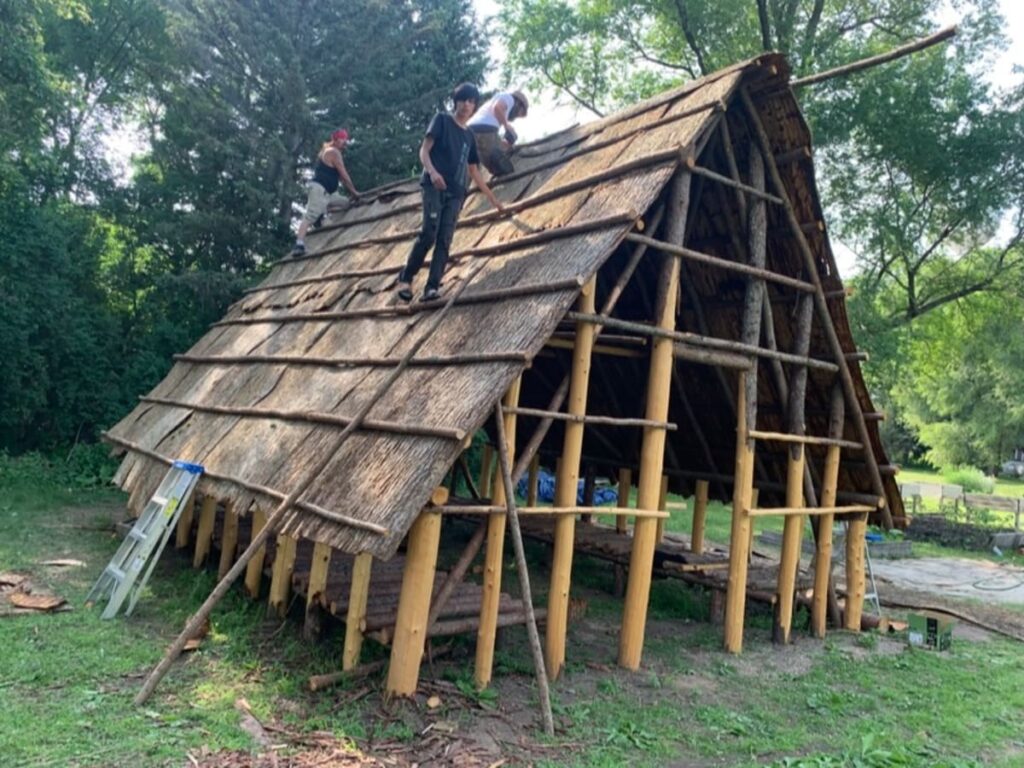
<point>323,189</point>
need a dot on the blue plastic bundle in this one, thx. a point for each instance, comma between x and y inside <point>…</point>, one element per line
<point>546,490</point>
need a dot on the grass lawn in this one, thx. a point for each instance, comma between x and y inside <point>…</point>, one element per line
<point>67,679</point>
<point>1004,486</point>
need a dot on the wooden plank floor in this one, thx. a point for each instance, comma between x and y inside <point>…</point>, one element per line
<point>460,613</point>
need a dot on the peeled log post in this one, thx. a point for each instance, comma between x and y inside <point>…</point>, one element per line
<point>652,450</point>
<point>746,412</point>
<point>829,487</point>
<point>565,490</point>
<point>493,559</point>
<point>355,618</point>
<point>793,527</point>
<point>254,570</point>
<point>204,531</point>
<point>414,605</point>
<point>184,530</point>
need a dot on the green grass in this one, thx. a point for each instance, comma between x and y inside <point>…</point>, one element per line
<point>67,679</point>
<point>1008,487</point>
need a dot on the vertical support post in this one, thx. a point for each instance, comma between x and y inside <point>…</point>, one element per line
<point>355,619</point>
<point>281,575</point>
<point>625,484</point>
<point>565,488</point>
<point>652,447</point>
<point>228,540</point>
<point>700,513</point>
<point>663,506</point>
<point>855,544</point>
<point>739,542</point>
<point>414,605</point>
<point>829,488</point>
<point>254,569</point>
<point>493,557</point>
<point>792,535</point>
<point>204,533</point>
<point>319,568</point>
<point>184,530</point>
<point>746,417</point>
<point>793,526</point>
<point>532,480</point>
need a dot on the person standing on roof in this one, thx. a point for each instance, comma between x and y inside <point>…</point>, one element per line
<point>498,113</point>
<point>323,189</point>
<point>448,154</point>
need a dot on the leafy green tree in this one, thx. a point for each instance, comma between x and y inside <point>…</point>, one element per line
<point>961,383</point>
<point>259,85</point>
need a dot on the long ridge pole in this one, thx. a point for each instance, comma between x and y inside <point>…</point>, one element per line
<point>200,616</point>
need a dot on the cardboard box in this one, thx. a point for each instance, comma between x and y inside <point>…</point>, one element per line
<point>930,630</point>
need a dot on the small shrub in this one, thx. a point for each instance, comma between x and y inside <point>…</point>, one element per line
<point>971,479</point>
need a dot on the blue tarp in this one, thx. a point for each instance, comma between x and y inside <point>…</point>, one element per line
<point>546,490</point>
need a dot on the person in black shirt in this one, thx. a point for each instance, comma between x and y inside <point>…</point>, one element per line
<point>448,154</point>
<point>329,170</point>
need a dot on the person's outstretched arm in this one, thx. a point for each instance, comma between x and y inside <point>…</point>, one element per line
<point>339,164</point>
<point>474,173</point>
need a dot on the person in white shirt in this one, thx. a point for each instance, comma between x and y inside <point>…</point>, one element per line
<point>497,115</point>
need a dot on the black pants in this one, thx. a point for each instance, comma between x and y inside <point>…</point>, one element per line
<point>440,212</point>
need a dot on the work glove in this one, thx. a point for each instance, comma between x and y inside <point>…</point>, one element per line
<point>510,135</point>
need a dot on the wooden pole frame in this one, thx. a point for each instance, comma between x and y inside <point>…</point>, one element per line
<point>281,574</point>
<point>184,529</point>
<point>254,569</point>
<point>565,489</point>
<point>494,557</point>
<point>355,618</point>
<point>743,484</point>
<point>414,606</point>
<point>821,304</point>
<point>652,449</point>
<point>793,527</point>
<point>204,531</point>
<point>829,487</point>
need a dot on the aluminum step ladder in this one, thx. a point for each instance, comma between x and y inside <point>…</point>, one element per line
<point>871,596</point>
<point>145,542</point>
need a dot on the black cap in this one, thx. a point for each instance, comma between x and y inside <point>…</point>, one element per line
<point>466,92</point>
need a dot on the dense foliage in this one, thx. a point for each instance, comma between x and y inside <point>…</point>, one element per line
<point>105,274</point>
<point>922,163</point>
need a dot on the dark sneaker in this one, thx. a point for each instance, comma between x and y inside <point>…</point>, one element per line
<point>405,291</point>
<point>298,250</point>
<point>431,294</point>
<point>319,222</point>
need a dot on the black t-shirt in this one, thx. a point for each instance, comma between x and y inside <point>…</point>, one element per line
<point>454,147</point>
<point>326,176</point>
